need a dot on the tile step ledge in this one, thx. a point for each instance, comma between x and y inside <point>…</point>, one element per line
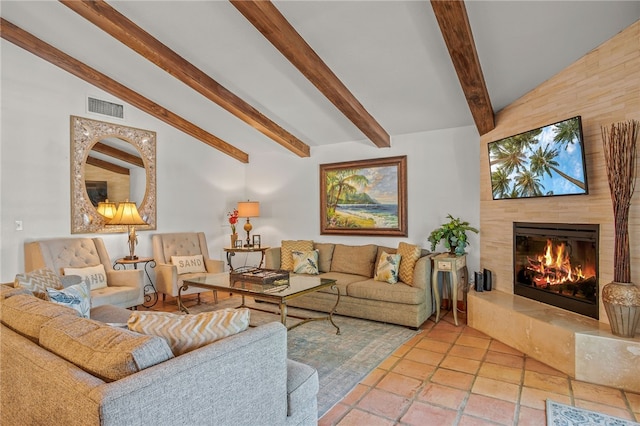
<point>581,347</point>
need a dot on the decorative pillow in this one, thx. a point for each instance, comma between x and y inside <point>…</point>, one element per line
<point>325,254</point>
<point>107,352</point>
<point>358,260</point>
<point>185,333</point>
<point>38,281</point>
<point>189,264</point>
<point>287,247</point>
<point>410,254</point>
<point>94,276</point>
<point>76,296</point>
<point>305,262</point>
<point>387,269</point>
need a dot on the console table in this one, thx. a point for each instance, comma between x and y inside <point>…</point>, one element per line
<point>150,292</point>
<point>446,262</point>
<point>231,251</point>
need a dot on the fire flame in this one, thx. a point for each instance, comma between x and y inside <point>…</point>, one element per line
<point>554,266</point>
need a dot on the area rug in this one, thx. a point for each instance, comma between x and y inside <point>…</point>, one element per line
<point>342,360</point>
<point>566,415</point>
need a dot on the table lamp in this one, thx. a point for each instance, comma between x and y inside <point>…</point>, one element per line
<point>107,209</point>
<point>127,214</point>
<point>248,209</point>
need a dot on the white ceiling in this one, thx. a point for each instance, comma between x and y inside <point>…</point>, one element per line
<point>390,54</point>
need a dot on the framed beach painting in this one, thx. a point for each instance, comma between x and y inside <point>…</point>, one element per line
<point>366,197</point>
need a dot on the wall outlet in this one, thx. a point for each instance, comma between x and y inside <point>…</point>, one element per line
<point>18,225</point>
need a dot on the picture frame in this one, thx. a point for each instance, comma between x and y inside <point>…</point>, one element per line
<point>256,240</point>
<point>364,197</point>
<point>238,244</point>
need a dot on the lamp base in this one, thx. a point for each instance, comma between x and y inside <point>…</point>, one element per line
<point>131,257</point>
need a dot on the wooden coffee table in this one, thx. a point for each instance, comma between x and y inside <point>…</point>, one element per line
<point>279,292</point>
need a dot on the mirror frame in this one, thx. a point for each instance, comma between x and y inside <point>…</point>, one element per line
<point>85,133</point>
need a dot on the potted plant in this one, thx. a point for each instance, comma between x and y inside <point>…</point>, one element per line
<point>621,298</point>
<point>453,234</point>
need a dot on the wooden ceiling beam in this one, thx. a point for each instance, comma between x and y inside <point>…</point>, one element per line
<point>127,32</point>
<point>107,166</point>
<point>275,28</point>
<point>32,44</point>
<point>118,154</point>
<point>456,31</point>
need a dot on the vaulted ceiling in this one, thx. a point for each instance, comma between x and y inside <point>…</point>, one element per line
<point>251,76</point>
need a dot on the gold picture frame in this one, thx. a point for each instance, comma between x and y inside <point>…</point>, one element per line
<point>365,197</point>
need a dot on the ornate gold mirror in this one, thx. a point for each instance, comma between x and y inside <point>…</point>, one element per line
<point>114,163</point>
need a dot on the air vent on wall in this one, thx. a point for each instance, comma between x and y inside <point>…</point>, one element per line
<point>105,108</point>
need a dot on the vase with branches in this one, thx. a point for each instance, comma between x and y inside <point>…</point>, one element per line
<point>621,298</point>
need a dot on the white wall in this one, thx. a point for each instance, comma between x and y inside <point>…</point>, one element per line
<point>442,174</point>
<point>197,185</point>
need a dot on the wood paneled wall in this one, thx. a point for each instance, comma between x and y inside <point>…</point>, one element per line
<point>603,87</point>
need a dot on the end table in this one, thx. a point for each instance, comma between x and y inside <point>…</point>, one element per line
<point>150,292</point>
<point>231,251</point>
<point>446,262</point>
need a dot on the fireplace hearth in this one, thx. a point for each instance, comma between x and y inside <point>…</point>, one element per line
<point>557,264</point>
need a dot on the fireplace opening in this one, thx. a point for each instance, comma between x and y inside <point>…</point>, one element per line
<point>557,264</point>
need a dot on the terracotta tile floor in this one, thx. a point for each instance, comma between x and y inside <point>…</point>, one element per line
<point>450,375</point>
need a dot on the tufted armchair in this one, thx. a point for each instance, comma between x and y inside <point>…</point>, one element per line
<point>168,280</point>
<point>124,288</point>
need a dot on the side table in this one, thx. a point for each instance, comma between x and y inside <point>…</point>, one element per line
<point>446,262</point>
<point>231,251</point>
<point>150,292</point>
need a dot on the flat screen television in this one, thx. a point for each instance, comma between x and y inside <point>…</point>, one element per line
<point>543,162</point>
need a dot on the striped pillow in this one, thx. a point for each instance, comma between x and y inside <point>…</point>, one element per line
<point>288,247</point>
<point>410,254</point>
<point>38,281</point>
<point>185,333</point>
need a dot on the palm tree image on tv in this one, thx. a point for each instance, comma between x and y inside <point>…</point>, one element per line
<point>543,162</point>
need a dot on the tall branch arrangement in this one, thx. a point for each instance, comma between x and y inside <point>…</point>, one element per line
<point>620,155</point>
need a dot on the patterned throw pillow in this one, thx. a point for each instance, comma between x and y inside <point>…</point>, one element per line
<point>189,264</point>
<point>76,297</point>
<point>410,254</point>
<point>94,276</point>
<point>185,333</point>
<point>305,262</point>
<point>387,269</point>
<point>38,281</point>
<point>288,247</point>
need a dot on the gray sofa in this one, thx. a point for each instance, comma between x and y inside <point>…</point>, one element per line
<point>361,295</point>
<point>244,379</point>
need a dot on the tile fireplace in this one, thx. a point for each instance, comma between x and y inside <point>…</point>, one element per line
<point>557,264</point>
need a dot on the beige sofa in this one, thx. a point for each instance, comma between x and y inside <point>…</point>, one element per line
<point>244,379</point>
<point>124,287</point>
<point>361,295</point>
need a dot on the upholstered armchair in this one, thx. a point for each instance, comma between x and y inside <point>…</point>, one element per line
<point>124,288</point>
<point>184,246</point>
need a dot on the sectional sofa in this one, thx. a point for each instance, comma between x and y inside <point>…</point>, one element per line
<point>243,379</point>
<point>361,296</point>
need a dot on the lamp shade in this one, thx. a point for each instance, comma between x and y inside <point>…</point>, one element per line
<point>107,208</point>
<point>127,214</point>
<point>248,209</point>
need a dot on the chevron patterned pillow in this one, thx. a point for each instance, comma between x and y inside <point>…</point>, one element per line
<point>410,254</point>
<point>38,281</point>
<point>288,247</point>
<point>185,333</point>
